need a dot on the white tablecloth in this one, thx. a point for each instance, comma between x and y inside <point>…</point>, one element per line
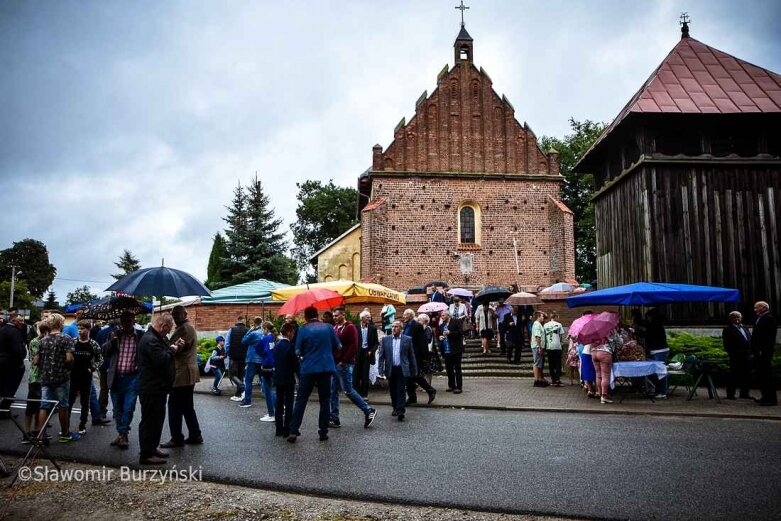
<point>635,369</point>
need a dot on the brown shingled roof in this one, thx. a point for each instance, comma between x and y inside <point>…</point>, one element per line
<point>698,79</point>
<point>374,204</point>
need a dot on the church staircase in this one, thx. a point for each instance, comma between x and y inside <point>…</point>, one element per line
<point>475,364</point>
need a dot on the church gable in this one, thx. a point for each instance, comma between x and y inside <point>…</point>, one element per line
<point>464,126</point>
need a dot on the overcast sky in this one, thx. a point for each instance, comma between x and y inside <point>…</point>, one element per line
<point>128,124</point>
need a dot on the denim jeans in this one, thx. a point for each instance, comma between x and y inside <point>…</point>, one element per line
<point>94,402</point>
<point>217,376</point>
<point>661,386</point>
<point>123,397</point>
<point>305,386</point>
<point>342,380</point>
<point>266,385</point>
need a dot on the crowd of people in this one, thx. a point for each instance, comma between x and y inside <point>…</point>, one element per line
<point>157,368</point>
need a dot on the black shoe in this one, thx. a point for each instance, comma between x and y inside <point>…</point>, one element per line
<point>449,390</point>
<point>154,460</point>
<point>323,437</point>
<point>194,440</point>
<point>395,412</point>
<point>172,444</point>
<point>401,417</point>
<point>101,421</point>
<point>411,402</point>
<point>369,418</point>
<point>334,424</point>
<point>432,396</point>
<point>458,391</point>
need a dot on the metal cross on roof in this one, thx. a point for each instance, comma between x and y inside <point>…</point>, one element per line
<point>685,25</point>
<point>462,7</point>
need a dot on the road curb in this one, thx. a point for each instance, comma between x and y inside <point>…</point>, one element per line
<point>571,410</point>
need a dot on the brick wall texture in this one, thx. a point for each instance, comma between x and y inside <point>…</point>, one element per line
<point>464,146</point>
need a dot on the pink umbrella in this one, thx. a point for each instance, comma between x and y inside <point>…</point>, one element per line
<point>460,292</point>
<point>432,307</point>
<point>598,328</point>
<point>578,324</point>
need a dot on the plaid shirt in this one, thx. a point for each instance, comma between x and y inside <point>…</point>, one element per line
<point>127,354</point>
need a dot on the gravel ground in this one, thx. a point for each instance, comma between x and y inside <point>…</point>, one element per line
<point>188,500</point>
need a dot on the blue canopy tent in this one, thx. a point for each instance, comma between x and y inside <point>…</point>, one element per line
<point>653,293</point>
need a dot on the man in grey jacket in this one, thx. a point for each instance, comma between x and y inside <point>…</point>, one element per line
<point>397,361</point>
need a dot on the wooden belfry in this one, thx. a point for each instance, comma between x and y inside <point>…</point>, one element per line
<point>689,180</point>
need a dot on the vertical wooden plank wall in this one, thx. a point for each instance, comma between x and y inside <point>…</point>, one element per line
<point>716,225</point>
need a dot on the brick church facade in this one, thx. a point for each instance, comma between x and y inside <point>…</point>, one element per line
<point>461,190</point>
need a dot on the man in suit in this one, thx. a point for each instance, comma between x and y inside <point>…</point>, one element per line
<point>414,330</point>
<point>366,354</point>
<point>397,361</point>
<point>515,336</point>
<point>763,342</point>
<point>180,401</point>
<point>737,344</point>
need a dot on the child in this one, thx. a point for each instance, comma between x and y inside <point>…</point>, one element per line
<point>217,363</point>
<point>573,361</point>
<point>34,385</point>
<point>286,368</point>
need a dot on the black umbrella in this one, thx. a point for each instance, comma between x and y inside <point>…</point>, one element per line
<point>418,290</point>
<point>491,294</point>
<point>114,307</point>
<point>440,283</point>
<point>160,281</point>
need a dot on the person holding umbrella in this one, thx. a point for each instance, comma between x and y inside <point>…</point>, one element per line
<point>180,401</point>
<point>121,351</point>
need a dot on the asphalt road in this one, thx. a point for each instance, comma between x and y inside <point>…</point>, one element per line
<point>581,465</point>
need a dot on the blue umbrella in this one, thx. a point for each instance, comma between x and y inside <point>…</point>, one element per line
<point>160,281</point>
<point>652,293</point>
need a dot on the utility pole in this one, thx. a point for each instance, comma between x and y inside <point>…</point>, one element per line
<point>13,283</point>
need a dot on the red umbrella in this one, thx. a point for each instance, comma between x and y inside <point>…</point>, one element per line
<point>598,328</point>
<point>320,298</point>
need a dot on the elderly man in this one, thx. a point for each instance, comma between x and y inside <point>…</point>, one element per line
<point>315,343</point>
<point>369,340</point>
<point>414,330</point>
<point>763,342</point>
<point>342,379</point>
<point>737,343</point>
<point>121,351</point>
<point>397,361</point>
<point>451,346</point>
<point>180,401</point>
<point>155,377</point>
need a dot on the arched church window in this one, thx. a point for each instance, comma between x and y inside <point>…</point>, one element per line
<point>469,223</point>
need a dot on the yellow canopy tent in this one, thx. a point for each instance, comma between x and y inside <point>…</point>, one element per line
<point>353,292</point>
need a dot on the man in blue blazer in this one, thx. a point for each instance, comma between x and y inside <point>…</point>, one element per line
<point>315,344</point>
<point>397,362</point>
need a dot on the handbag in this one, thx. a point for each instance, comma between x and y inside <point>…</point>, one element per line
<point>434,362</point>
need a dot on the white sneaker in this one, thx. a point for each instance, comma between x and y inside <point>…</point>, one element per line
<point>267,418</point>
<point>660,397</point>
<point>605,400</point>
<point>236,398</point>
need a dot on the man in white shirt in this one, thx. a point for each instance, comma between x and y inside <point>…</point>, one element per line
<point>553,333</point>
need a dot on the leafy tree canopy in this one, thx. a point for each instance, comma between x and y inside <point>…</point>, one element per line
<point>127,263</point>
<point>325,211</point>
<point>22,297</point>
<point>577,192</point>
<point>80,295</point>
<point>32,258</point>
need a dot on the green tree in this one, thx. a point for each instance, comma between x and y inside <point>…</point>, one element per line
<point>80,295</point>
<point>215,271</point>
<point>127,263</point>
<point>577,192</point>
<point>22,297</point>
<point>32,258</point>
<point>255,247</point>
<point>51,301</point>
<point>324,213</point>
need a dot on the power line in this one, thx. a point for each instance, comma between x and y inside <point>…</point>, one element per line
<point>80,280</point>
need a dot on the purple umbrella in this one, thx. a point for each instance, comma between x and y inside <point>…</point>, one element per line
<point>432,307</point>
<point>460,292</point>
